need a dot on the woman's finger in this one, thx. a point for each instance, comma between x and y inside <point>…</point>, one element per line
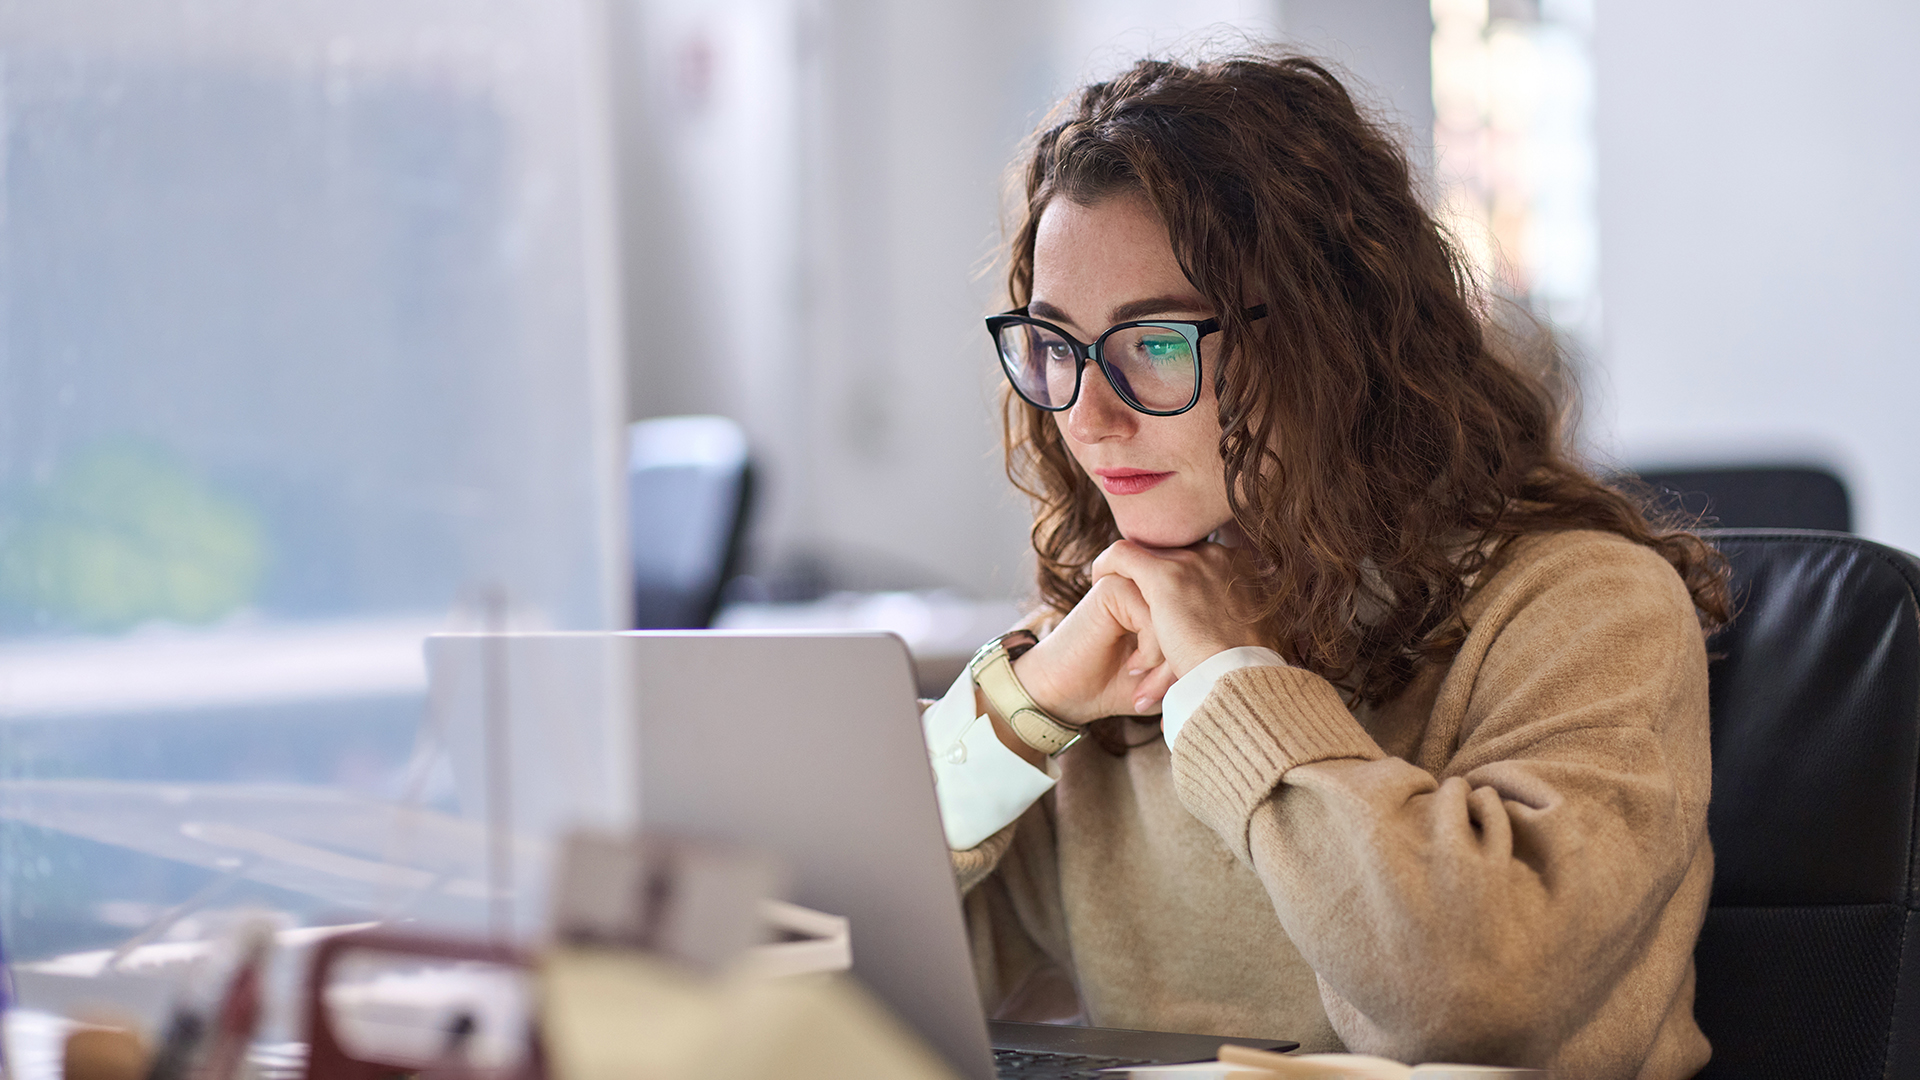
<point>1125,603</point>
<point>1153,689</point>
<point>1137,615</point>
<point>1147,654</point>
<point>1125,559</point>
<point>1159,573</point>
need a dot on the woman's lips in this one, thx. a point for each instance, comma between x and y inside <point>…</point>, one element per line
<point>1128,481</point>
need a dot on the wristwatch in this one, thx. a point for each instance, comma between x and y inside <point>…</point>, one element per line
<point>992,670</point>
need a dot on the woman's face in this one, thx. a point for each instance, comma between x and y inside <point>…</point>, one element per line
<point>1112,262</point>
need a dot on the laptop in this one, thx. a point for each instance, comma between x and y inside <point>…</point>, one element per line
<point>808,745</point>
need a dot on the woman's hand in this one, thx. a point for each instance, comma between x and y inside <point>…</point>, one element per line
<point>1193,606</point>
<point>1102,660</point>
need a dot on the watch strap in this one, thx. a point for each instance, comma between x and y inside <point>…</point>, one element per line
<point>992,670</point>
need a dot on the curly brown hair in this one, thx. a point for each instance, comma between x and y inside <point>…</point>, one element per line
<point>1384,439</point>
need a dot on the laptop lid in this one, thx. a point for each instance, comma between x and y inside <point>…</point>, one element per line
<point>809,746</point>
<point>806,745</point>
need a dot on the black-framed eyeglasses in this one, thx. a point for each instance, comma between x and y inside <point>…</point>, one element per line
<point>1153,364</point>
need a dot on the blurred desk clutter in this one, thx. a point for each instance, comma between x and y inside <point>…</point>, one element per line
<point>665,958</point>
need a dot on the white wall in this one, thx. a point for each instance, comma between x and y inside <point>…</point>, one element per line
<point>1760,240</point>
<point>1387,46</point>
<point>919,108</point>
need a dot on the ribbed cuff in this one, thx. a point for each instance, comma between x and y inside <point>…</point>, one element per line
<point>1258,723</point>
<point>1187,692</point>
<point>971,867</point>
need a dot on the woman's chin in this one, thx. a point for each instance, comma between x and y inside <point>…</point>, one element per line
<point>1165,535</point>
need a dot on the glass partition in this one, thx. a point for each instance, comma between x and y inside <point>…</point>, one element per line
<point>307,349</point>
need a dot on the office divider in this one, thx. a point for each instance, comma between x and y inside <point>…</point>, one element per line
<point>308,348</point>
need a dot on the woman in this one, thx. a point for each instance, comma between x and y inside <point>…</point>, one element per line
<point>1430,771</point>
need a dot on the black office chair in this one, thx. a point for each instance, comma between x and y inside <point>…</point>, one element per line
<point>1755,496</point>
<point>1809,962</point>
<point>689,488</point>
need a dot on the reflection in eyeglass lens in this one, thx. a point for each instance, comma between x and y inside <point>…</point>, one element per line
<point>1153,365</point>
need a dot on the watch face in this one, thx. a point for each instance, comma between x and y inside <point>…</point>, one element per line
<point>1005,643</point>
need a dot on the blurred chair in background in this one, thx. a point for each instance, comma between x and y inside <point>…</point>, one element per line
<point>1810,953</point>
<point>689,485</point>
<point>1757,497</point>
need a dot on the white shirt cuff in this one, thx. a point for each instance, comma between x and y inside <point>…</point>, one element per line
<point>1186,694</point>
<point>982,786</point>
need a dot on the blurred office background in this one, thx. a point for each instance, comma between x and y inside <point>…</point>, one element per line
<point>321,323</point>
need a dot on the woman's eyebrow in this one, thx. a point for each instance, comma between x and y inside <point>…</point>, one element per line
<point>1159,305</point>
<point>1129,311</point>
<point>1040,309</point>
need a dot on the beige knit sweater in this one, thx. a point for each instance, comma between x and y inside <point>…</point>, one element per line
<point>1507,864</point>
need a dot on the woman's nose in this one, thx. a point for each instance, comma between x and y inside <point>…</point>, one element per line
<point>1099,414</point>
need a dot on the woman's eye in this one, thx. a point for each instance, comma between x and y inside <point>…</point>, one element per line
<point>1165,350</point>
<point>1057,352</point>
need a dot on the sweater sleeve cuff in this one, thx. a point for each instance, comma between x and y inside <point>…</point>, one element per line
<point>1256,725</point>
<point>971,866</point>
<point>1192,688</point>
<point>981,786</point>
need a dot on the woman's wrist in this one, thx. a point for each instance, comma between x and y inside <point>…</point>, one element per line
<point>1021,723</point>
<point>1032,674</point>
<point>1187,656</point>
<point>1005,733</point>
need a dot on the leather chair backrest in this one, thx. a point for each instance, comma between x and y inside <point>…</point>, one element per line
<point>1809,962</point>
<point>1765,496</point>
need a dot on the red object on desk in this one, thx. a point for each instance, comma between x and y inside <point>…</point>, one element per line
<point>327,1059</point>
<point>239,1014</point>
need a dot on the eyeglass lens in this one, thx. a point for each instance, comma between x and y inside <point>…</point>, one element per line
<point>1152,367</point>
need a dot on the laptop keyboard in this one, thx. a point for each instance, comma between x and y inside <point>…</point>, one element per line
<point>1033,1065</point>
